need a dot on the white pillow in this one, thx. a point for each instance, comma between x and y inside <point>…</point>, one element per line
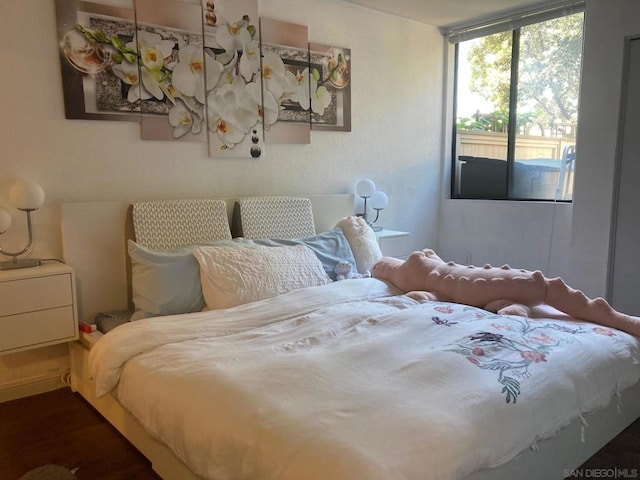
<point>233,277</point>
<point>167,282</point>
<point>363,241</point>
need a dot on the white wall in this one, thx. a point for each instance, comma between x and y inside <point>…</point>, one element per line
<point>520,233</point>
<point>396,92</point>
<point>608,23</point>
<point>396,138</point>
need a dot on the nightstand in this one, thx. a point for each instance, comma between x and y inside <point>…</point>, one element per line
<point>37,307</point>
<point>393,243</point>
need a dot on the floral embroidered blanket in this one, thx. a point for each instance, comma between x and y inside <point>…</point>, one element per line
<point>352,381</point>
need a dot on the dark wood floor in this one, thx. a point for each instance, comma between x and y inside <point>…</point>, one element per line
<point>60,428</point>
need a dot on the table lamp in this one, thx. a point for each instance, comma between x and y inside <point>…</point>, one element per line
<point>27,197</point>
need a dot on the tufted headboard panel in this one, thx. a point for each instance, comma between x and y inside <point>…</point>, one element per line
<point>176,223</point>
<point>94,239</point>
<point>273,217</point>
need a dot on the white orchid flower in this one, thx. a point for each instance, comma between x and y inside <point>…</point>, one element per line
<point>153,51</point>
<point>265,103</point>
<point>299,87</point>
<point>231,112</point>
<point>250,60</point>
<point>320,100</point>
<point>191,103</point>
<point>270,109</point>
<point>189,73</point>
<point>233,36</point>
<point>128,73</point>
<point>151,58</point>
<point>229,63</point>
<point>151,40</point>
<point>274,74</point>
<point>184,120</point>
<point>156,82</point>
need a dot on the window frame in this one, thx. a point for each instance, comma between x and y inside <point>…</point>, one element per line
<point>477,32</point>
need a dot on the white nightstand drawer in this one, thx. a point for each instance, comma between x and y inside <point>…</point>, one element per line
<point>37,328</point>
<point>34,294</point>
<point>37,307</point>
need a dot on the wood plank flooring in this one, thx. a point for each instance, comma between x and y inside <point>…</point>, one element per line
<point>60,428</point>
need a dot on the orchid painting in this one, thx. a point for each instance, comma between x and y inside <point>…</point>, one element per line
<point>204,74</point>
<point>234,108</point>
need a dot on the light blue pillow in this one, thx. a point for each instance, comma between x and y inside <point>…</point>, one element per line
<point>167,282</point>
<point>330,247</point>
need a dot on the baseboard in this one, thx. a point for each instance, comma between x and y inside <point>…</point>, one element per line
<point>32,386</point>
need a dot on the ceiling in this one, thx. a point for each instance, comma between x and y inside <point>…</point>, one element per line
<point>443,13</point>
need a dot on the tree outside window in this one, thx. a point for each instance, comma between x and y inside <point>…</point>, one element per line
<point>517,112</point>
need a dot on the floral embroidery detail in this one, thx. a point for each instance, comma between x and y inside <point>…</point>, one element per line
<point>562,328</point>
<point>443,309</point>
<point>439,321</point>
<point>500,326</point>
<point>522,347</point>
<point>492,351</point>
<point>603,331</point>
<point>533,356</point>
<point>478,313</point>
<point>487,337</point>
<point>513,356</point>
<point>542,339</point>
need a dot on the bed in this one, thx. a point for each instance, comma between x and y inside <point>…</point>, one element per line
<point>330,379</point>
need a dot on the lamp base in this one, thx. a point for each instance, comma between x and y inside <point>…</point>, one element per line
<point>27,263</point>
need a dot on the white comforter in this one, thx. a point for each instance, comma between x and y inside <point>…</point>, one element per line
<point>350,382</point>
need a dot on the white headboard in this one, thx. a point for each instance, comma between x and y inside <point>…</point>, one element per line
<point>94,243</point>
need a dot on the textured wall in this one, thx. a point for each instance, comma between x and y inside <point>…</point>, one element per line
<point>577,246</point>
<point>395,139</point>
<point>396,98</point>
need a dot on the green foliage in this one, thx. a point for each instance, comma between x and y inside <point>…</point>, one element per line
<point>485,122</point>
<point>490,60</point>
<point>99,37</point>
<point>548,73</point>
<point>497,121</point>
<point>511,388</point>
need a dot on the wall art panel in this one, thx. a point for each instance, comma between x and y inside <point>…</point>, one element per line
<point>285,81</point>
<point>232,58</point>
<point>330,87</point>
<point>170,62</point>
<point>91,90</point>
<point>201,70</point>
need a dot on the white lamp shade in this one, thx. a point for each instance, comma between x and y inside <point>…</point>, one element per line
<point>379,200</point>
<point>26,195</point>
<point>5,220</point>
<point>365,188</point>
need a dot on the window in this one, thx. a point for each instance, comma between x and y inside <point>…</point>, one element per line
<point>516,111</point>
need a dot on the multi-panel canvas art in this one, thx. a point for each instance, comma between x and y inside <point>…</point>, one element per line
<point>204,71</point>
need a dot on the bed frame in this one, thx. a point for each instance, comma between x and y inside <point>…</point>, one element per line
<point>94,236</point>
